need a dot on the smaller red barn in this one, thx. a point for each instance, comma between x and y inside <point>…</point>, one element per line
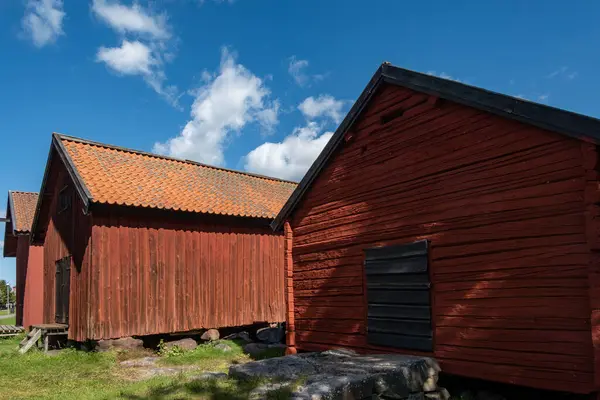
<point>140,244</point>
<point>447,220</point>
<point>29,288</point>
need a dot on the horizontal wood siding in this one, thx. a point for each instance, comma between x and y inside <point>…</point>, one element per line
<point>155,274</point>
<point>502,205</point>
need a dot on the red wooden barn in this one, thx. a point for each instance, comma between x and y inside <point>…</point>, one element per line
<point>139,244</point>
<point>451,221</point>
<point>29,264</point>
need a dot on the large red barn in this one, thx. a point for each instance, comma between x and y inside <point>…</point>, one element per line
<point>447,220</point>
<point>138,244</point>
<point>29,264</point>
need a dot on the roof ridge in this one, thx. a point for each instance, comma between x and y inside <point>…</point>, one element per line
<point>23,191</point>
<point>62,136</point>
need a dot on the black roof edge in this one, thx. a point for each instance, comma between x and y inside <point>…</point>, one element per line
<point>80,187</point>
<point>568,123</point>
<point>129,150</point>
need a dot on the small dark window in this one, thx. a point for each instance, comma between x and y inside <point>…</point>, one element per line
<point>389,117</point>
<point>64,199</point>
<point>398,294</point>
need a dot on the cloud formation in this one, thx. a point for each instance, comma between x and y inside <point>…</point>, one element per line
<point>322,106</point>
<point>291,158</point>
<point>146,53</point>
<point>229,100</point>
<point>297,70</point>
<point>43,21</point>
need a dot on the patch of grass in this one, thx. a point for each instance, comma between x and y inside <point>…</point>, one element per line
<point>9,321</point>
<point>79,375</point>
<point>70,375</point>
<point>4,312</point>
<point>208,356</point>
<point>213,389</point>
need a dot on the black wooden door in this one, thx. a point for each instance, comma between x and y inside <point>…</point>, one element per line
<point>63,281</point>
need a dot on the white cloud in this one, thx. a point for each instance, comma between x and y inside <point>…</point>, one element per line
<point>291,158</point>
<point>145,55</point>
<point>322,106</point>
<point>134,19</point>
<point>562,72</point>
<point>227,102</point>
<point>296,69</point>
<point>43,21</point>
<point>543,98</point>
<point>443,75</point>
<point>132,58</point>
<point>557,72</point>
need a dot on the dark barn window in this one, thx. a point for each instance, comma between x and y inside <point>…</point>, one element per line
<point>64,199</point>
<point>398,294</point>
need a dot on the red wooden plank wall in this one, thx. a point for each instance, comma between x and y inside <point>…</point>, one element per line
<point>21,275</point>
<point>30,271</point>
<point>158,275</point>
<point>502,204</point>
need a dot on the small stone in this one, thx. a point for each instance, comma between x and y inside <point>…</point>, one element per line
<point>185,344</point>
<point>244,336</point>
<point>254,349</point>
<point>223,347</point>
<point>210,335</point>
<point>270,335</point>
<point>126,343</point>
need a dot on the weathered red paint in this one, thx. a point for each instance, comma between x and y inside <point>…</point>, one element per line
<point>511,213</point>
<point>141,272</point>
<point>29,268</point>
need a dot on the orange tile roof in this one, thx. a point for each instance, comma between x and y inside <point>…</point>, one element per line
<point>22,206</point>
<point>115,175</point>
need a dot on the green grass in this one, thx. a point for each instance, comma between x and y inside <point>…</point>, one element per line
<point>8,321</point>
<point>3,312</point>
<point>208,357</point>
<point>89,376</point>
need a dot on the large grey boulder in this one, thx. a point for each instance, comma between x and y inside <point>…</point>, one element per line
<point>342,374</point>
<point>283,368</point>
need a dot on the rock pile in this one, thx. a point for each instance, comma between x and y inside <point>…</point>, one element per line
<point>343,374</point>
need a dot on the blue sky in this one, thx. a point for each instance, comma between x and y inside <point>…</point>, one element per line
<point>260,84</point>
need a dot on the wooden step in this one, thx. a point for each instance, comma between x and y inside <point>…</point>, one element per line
<point>36,335</point>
